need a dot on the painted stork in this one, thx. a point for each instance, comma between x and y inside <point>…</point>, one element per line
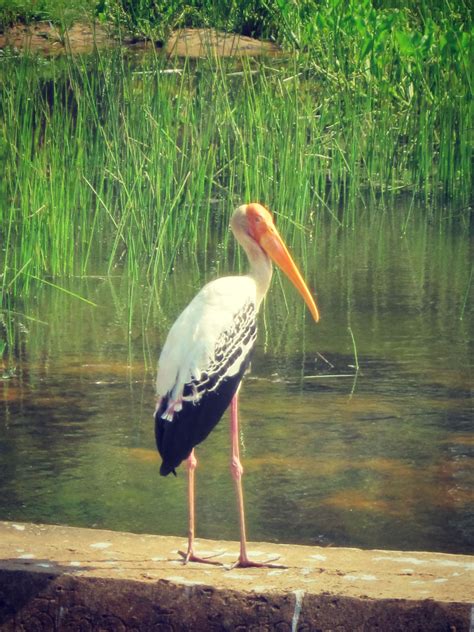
<point>207,352</point>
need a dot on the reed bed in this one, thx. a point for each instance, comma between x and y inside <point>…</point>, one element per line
<point>109,162</point>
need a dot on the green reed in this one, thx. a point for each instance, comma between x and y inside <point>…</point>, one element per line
<point>111,162</point>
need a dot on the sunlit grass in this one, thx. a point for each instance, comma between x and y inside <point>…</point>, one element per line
<point>112,163</point>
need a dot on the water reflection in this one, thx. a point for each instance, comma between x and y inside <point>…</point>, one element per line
<point>383,461</point>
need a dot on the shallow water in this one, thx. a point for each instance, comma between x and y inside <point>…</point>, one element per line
<point>380,457</point>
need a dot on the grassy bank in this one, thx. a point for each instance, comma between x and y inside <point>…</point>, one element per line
<point>104,159</point>
<point>112,163</point>
<point>295,23</point>
<point>391,44</point>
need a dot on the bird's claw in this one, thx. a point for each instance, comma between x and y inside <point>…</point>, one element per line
<point>190,557</point>
<point>246,563</point>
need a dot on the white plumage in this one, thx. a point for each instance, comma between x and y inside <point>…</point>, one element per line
<point>223,309</point>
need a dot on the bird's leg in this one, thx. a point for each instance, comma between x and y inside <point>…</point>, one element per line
<point>237,470</point>
<point>189,555</point>
<point>191,465</point>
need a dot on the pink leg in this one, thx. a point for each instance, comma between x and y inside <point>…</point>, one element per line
<point>189,555</point>
<point>237,470</point>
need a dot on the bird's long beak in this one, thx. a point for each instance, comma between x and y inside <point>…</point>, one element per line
<point>274,246</point>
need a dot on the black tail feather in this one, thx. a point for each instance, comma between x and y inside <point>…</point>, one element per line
<point>166,469</point>
<point>192,424</point>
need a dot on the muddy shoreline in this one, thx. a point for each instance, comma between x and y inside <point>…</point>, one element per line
<point>46,39</point>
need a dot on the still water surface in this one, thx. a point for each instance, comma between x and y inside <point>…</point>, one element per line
<point>380,457</point>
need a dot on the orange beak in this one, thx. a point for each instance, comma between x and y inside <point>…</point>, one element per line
<point>271,242</point>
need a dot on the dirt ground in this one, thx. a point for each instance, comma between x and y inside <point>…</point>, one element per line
<point>48,40</point>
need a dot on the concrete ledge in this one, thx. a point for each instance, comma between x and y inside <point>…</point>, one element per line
<point>63,578</point>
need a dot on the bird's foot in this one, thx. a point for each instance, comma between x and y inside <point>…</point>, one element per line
<point>244,562</point>
<point>190,557</point>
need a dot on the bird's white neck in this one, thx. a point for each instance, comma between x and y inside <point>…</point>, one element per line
<point>260,264</point>
<point>261,270</point>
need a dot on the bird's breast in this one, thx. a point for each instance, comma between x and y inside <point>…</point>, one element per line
<point>210,337</point>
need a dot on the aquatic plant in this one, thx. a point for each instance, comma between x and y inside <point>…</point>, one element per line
<point>123,163</point>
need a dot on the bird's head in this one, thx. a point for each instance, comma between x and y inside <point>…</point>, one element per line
<point>257,222</point>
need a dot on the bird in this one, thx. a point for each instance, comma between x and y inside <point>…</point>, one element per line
<point>205,355</point>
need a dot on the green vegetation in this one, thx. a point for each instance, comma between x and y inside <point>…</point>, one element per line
<point>61,12</point>
<point>112,161</point>
<point>299,24</point>
<point>103,158</point>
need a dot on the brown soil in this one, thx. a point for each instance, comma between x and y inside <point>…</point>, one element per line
<point>46,39</point>
<point>205,42</point>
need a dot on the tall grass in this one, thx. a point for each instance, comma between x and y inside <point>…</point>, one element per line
<point>116,162</point>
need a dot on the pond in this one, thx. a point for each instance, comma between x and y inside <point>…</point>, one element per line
<point>375,457</point>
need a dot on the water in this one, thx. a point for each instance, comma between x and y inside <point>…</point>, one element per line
<point>380,457</point>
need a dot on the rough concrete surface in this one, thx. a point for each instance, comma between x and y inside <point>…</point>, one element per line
<point>65,578</point>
